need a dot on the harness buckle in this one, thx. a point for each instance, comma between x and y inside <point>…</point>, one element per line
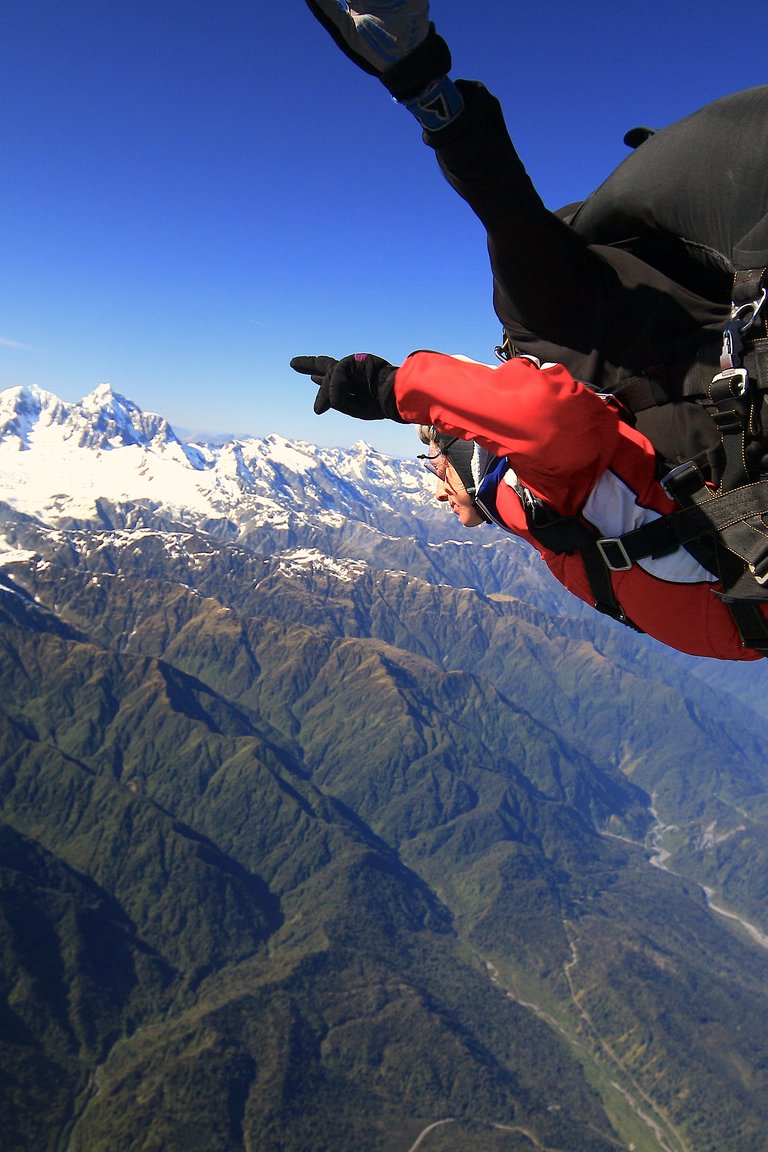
<point>762,580</point>
<point>614,554</point>
<point>758,566</point>
<point>744,315</point>
<point>731,382</point>
<point>682,480</point>
<point>504,351</point>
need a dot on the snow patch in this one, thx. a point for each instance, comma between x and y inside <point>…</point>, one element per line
<point>310,559</point>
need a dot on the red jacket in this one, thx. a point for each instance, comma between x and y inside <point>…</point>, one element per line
<point>569,447</point>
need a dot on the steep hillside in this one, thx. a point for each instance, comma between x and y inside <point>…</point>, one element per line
<point>332,834</point>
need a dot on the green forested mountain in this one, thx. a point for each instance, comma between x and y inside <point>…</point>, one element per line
<point>298,857</point>
<point>304,852</point>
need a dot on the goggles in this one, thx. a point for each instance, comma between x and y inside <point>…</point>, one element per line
<point>437,461</point>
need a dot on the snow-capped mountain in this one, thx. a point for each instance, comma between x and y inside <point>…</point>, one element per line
<point>104,470</point>
<point>103,419</point>
<point>59,461</point>
<point>104,464</point>
<point>278,777</point>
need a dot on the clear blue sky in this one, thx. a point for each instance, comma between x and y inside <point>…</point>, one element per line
<point>192,192</point>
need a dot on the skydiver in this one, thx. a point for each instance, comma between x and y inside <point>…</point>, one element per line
<point>626,294</point>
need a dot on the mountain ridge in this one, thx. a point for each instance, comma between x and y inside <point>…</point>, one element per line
<point>367,815</point>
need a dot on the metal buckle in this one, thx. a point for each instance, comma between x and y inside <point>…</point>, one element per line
<point>732,381</point>
<point>614,542</point>
<point>505,350</point>
<point>763,580</point>
<point>759,567</point>
<point>744,315</point>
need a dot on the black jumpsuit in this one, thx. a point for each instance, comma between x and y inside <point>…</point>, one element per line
<point>637,280</point>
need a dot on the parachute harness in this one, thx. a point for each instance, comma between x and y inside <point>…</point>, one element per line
<point>724,526</point>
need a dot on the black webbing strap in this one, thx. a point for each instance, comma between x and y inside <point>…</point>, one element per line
<point>568,534</point>
<point>734,518</point>
<point>685,377</point>
<point>736,522</point>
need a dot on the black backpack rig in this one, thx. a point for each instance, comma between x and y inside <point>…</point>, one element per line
<point>722,495</point>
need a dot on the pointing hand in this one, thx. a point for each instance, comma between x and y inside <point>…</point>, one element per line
<point>361,385</point>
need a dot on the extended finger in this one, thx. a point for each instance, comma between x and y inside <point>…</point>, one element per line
<point>312,365</point>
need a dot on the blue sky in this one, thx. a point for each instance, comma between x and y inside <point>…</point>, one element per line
<point>193,191</point>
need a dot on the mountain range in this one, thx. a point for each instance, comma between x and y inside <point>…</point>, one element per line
<point>327,825</point>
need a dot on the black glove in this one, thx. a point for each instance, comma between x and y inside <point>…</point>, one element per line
<point>391,39</point>
<point>362,386</point>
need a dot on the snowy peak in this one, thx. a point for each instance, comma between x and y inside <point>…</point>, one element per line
<point>59,462</point>
<point>109,420</point>
<point>104,396</point>
<point>22,410</point>
<point>104,419</point>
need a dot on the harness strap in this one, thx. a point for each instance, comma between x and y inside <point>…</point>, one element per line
<point>731,522</point>
<point>686,377</point>
<point>568,534</point>
<point>735,517</point>
<point>556,533</point>
<point>736,521</point>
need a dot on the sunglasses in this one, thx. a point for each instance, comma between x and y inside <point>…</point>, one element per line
<point>438,461</point>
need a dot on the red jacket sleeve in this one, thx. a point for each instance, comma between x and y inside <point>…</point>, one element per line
<point>559,435</point>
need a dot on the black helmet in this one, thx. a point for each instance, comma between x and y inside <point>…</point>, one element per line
<point>457,451</point>
<point>470,459</point>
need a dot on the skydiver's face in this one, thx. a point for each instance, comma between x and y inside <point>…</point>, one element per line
<point>450,490</point>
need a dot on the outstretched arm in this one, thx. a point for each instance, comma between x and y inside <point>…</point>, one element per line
<point>548,285</point>
<point>395,41</point>
<point>558,434</point>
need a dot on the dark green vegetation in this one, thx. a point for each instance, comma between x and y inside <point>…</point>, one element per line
<point>295,859</point>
